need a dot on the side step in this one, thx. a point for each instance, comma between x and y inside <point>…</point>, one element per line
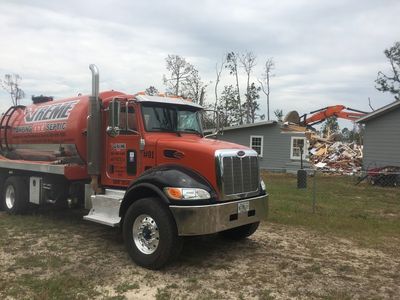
<point>105,208</point>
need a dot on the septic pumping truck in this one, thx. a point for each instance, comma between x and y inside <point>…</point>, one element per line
<point>138,162</point>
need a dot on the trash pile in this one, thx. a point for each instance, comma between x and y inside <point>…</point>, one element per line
<point>334,156</point>
<point>330,155</point>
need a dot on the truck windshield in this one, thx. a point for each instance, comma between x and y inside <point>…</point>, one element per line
<point>171,118</point>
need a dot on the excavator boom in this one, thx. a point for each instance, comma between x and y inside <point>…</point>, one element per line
<point>339,111</point>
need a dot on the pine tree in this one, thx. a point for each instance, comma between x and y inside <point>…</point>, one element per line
<point>251,105</point>
<point>229,103</point>
<point>391,83</point>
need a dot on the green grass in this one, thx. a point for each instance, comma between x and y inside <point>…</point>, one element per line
<point>42,261</point>
<point>265,295</point>
<point>42,252</point>
<point>366,213</point>
<point>126,286</point>
<point>163,294</point>
<point>63,286</point>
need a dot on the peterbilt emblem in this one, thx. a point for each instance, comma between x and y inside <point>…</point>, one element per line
<point>241,153</point>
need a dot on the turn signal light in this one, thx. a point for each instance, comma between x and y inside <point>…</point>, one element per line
<point>174,193</point>
<point>186,193</point>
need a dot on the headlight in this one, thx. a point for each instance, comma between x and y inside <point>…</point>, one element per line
<point>263,186</point>
<point>186,193</point>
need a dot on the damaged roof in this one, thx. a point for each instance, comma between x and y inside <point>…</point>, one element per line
<point>270,122</point>
<point>250,125</point>
<point>379,112</point>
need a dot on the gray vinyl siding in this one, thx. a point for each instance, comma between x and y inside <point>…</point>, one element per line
<point>276,145</point>
<point>382,141</point>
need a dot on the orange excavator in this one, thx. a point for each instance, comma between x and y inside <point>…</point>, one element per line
<point>320,115</point>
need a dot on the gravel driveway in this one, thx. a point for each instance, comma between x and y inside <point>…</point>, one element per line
<point>40,252</point>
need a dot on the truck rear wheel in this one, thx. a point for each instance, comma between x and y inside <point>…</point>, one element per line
<point>240,232</point>
<point>15,195</point>
<point>150,234</point>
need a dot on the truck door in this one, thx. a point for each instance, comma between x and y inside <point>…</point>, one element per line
<point>122,154</point>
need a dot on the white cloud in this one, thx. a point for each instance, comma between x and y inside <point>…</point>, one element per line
<point>325,52</point>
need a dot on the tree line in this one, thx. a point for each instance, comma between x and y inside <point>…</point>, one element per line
<point>243,107</point>
<point>237,106</point>
<point>331,130</point>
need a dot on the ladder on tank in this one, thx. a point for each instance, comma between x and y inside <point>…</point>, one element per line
<point>5,125</point>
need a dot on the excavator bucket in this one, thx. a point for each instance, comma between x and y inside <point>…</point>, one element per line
<point>292,117</point>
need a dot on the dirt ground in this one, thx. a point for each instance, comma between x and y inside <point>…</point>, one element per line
<point>58,255</point>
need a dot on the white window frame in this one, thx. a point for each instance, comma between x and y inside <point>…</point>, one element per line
<point>262,143</point>
<point>304,149</point>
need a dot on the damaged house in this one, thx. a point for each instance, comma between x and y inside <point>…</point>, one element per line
<point>382,137</point>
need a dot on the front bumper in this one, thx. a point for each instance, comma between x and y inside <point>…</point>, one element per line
<point>206,219</point>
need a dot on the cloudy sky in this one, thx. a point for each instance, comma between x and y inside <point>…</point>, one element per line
<point>326,52</point>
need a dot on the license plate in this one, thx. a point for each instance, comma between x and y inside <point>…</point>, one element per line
<point>243,207</point>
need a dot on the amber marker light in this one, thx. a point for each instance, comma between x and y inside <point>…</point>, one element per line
<point>174,193</point>
<point>186,193</point>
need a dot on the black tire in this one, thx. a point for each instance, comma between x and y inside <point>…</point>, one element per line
<point>15,197</point>
<point>241,232</point>
<point>169,243</point>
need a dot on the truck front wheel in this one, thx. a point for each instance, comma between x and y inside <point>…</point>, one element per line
<point>240,232</point>
<point>150,233</point>
<point>15,195</point>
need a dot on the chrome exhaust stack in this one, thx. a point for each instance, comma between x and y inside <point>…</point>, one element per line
<point>94,131</point>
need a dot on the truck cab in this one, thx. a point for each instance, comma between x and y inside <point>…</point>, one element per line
<point>155,149</point>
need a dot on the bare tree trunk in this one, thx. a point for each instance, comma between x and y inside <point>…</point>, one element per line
<point>248,99</point>
<point>248,61</point>
<point>269,66</point>
<point>369,104</point>
<point>177,84</point>
<point>268,92</point>
<point>11,85</point>
<point>240,102</point>
<point>218,73</point>
<point>201,96</point>
<point>232,64</point>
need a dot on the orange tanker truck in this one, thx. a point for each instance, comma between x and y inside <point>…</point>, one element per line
<point>135,161</point>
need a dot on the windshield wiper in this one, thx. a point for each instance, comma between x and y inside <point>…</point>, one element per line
<point>163,129</point>
<point>192,130</point>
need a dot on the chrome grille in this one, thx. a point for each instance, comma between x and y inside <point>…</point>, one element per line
<point>238,176</point>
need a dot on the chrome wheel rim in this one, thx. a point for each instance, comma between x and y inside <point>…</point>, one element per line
<point>10,197</point>
<point>145,234</point>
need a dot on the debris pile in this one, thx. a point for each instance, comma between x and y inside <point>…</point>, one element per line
<point>329,155</point>
<point>334,156</point>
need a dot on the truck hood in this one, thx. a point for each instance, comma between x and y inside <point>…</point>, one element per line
<point>197,145</point>
<point>193,152</point>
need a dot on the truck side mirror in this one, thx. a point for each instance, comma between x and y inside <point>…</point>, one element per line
<point>113,124</point>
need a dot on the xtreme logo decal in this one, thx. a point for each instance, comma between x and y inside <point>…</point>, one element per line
<point>53,112</point>
<point>46,118</point>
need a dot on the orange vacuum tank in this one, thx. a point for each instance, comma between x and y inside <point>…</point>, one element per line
<point>49,131</point>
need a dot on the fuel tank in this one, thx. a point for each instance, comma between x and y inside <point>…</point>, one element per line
<point>52,131</point>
